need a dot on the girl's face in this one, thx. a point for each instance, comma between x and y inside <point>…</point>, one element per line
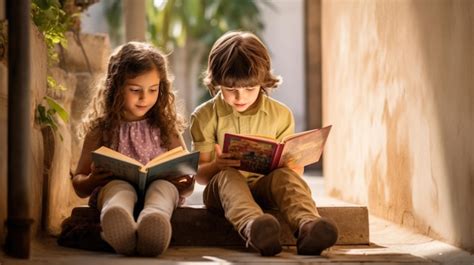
<point>140,95</point>
<point>240,98</point>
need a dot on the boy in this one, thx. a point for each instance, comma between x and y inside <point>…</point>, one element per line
<point>239,77</point>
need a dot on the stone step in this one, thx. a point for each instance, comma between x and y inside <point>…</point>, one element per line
<point>195,226</point>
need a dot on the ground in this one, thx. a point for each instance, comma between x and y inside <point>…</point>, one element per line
<point>390,244</point>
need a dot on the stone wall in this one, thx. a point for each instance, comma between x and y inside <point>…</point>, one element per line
<point>79,76</point>
<point>398,90</point>
<point>52,194</point>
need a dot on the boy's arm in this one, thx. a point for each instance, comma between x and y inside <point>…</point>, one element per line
<point>206,169</point>
<point>209,167</point>
<point>185,183</point>
<point>87,177</point>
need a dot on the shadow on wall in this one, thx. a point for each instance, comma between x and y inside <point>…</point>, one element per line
<point>447,41</point>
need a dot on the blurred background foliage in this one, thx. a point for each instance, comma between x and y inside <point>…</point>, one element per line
<point>192,25</point>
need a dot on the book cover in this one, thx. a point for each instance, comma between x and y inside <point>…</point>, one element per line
<point>258,155</point>
<point>262,155</point>
<point>173,163</point>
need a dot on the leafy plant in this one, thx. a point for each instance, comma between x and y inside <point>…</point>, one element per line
<point>46,115</point>
<point>172,22</point>
<point>53,22</point>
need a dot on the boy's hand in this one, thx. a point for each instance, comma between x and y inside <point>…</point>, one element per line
<point>99,176</point>
<point>224,160</point>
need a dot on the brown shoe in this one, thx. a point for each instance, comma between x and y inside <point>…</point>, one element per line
<point>315,236</point>
<point>263,234</point>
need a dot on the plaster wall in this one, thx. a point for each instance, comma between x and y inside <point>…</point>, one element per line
<point>398,88</point>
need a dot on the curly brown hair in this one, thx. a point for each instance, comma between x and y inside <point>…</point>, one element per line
<point>105,110</point>
<point>239,59</point>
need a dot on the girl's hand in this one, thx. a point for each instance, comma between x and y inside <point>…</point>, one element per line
<point>224,160</point>
<point>184,184</point>
<point>99,176</point>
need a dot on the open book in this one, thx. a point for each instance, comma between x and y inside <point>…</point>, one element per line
<point>262,155</point>
<point>173,163</point>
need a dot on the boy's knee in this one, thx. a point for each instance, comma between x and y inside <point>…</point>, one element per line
<point>285,175</point>
<point>230,174</point>
<point>286,172</point>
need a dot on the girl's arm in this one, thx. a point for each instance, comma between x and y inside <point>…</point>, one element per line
<point>87,177</point>
<point>209,167</point>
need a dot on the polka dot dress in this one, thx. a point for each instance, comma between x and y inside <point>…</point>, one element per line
<point>140,141</point>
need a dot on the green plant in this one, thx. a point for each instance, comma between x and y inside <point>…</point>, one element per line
<point>52,21</point>
<point>172,22</point>
<point>46,116</point>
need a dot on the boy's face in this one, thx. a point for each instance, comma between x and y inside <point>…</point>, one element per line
<point>240,98</point>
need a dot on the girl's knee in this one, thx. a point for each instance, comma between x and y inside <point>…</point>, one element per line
<point>162,185</point>
<point>117,184</point>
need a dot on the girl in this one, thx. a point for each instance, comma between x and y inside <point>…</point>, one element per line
<point>239,77</point>
<point>134,113</point>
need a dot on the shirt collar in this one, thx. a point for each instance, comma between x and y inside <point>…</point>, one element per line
<point>224,109</point>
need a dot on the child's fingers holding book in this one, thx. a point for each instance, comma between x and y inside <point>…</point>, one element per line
<point>100,176</point>
<point>224,160</point>
<point>220,154</point>
<point>223,163</point>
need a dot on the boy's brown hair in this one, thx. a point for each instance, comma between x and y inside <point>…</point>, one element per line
<point>239,59</point>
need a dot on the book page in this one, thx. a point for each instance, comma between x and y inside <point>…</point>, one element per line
<point>114,154</point>
<point>304,148</point>
<point>122,169</point>
<point>173,153</point>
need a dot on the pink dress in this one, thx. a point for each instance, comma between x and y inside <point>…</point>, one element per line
<point>140,141</point>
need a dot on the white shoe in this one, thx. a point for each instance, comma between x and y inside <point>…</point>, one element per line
<point>154,234</point>
<point>119,230</point>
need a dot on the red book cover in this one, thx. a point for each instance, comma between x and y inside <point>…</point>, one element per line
<point>262,155</point>
<point>257,155</point>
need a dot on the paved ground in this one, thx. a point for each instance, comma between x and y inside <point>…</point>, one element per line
<point>391,244</point>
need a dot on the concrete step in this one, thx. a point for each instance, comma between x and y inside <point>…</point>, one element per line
<point>195,226</point>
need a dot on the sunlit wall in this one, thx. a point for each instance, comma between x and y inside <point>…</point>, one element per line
<point>398,88</point>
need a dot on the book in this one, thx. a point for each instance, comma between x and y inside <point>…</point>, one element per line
<point>262,155</point>
<point>173,163</point>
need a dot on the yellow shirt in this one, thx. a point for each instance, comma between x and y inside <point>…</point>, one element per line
<point>215,117</point>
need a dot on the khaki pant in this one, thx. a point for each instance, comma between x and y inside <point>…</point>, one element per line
<point>239,199</point>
